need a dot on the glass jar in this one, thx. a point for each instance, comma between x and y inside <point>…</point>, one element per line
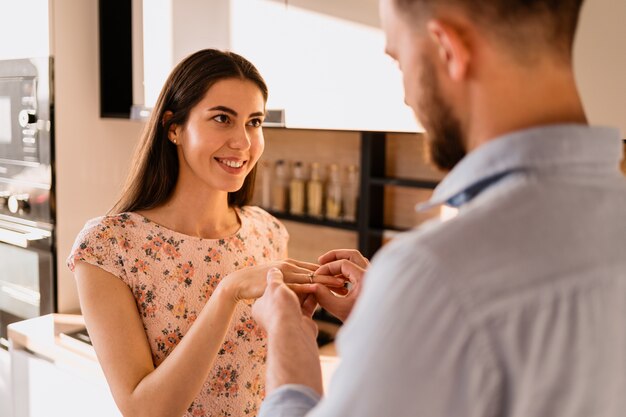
<point>334,194</point>
<point>315,192</point>
<point>296,190</point>
<point>265,172</point>
<point>351,194</point>
<point>280,190</point>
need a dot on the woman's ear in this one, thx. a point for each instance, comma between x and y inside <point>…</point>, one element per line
<point>452,49</point>
<point>173,131</point>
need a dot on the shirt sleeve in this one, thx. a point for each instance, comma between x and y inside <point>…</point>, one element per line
<point>289,401</point>
<point>408,349</point>
<point>100,243</point>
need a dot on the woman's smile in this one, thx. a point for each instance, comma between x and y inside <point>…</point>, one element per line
<point>232,165</point>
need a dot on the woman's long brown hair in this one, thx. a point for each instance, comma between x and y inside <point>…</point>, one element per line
<point>154,169</point>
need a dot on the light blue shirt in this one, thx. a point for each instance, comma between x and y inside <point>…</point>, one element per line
<point>515,307</point>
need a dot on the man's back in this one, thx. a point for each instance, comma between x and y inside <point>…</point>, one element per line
<point>516,306</point>
<point>544,276</point>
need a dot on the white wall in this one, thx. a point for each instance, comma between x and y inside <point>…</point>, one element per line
<point>600,61</point>
<point>92,154</point>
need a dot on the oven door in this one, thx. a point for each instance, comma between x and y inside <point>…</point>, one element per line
<point>26,99</point>
<point>19,141</point>
<point>26,276</point>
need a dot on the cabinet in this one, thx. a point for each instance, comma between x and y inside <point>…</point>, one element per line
<point>323,61</point>
<point>25,29</point>
<point>5,384</point>
<point>48,379</point>
<point>42,388</point>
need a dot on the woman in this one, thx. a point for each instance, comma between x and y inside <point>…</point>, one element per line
<point>181,254</point>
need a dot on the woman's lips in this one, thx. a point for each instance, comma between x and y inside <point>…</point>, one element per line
<point>232,166</point>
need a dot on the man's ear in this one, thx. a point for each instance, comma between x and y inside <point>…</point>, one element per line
<point>173,130</point>
<point>452,49</point>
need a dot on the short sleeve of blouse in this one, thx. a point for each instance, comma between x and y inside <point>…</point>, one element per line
<point>101,243</point>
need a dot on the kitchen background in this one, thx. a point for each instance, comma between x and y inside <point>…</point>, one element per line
<point>93,153</point>
<point>324,63</point>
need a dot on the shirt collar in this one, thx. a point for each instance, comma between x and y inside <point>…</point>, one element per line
<point>568,146</point>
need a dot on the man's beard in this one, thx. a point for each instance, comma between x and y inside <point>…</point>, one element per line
<point>445,137</point>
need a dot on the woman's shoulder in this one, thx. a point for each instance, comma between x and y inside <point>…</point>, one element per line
<point>265,229</point>
<point>257,214</point>
<point>111,222</point>
<point>264,220</point>
<point>103,241</point>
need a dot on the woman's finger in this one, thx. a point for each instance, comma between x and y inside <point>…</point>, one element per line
<point>302,288</point>
<point>293,268</point>
<point>310,278</point>
<point>351,255</point>
<point>302,264</point>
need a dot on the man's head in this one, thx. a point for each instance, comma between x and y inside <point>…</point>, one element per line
<point>456,57</point>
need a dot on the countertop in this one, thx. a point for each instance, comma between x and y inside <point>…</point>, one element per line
<point>40,336</point>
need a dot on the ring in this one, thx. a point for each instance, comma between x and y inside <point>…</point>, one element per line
<point>310,275</point>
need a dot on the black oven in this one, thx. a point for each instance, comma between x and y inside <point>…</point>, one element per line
<point>27,244</point>
<point>27,284</point>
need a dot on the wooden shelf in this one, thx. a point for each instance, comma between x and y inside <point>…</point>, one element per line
<point>369,226</point>
<point>381,231</point>
<point>314,221</point>
<point>404,182</point>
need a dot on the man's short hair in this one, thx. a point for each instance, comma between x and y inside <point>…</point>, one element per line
<point>521,23</point>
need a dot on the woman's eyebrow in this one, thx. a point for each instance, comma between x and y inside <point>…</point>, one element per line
<point>224,109</point>
<point>234,113</point>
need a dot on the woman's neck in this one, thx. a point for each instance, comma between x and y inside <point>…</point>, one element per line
<point>199,213</point>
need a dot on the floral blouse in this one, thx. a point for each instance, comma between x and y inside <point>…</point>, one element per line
<point>172,275</point>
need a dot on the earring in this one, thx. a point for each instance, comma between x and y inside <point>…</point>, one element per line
<point>174,142</point>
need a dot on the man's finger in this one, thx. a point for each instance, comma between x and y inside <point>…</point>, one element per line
<point>340,291</point>
<point>341,267</point>
<point>275,276</point>
<point>352,255</point>
<point>309,305</point>
<point>329,281</point>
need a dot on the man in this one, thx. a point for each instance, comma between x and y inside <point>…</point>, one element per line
<point>515,307</point>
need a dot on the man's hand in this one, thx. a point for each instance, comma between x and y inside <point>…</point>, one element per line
<point>292,356</point>
<point>348,264</point>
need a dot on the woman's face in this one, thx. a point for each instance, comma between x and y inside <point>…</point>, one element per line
<point>222,139</point>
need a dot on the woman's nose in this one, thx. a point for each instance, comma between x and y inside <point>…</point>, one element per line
<point>240,139</point>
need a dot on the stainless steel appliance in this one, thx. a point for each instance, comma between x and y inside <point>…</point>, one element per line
<point>27,248</point>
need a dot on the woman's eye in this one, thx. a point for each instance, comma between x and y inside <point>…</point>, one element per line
<point>221,118</point>
<point>255,122</point>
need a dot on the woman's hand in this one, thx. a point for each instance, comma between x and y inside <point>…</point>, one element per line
<point>249,283</point>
